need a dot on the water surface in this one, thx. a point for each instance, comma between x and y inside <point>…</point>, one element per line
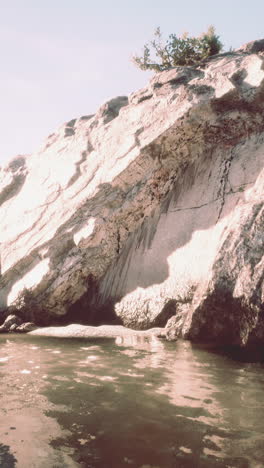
<point>133,402</point>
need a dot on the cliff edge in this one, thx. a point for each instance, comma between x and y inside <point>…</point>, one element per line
<point>149,212</point>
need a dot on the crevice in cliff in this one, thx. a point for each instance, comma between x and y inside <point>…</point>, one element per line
<point>13,188</point>
<point>118,238</point>
<point>69,129</point>
<point>78,164</point>
<point>18,171</point>
<point>210,202</point>
<point>78,169</point>
<point>224,181</point>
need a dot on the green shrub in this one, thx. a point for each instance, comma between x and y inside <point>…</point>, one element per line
<point>178,51</point>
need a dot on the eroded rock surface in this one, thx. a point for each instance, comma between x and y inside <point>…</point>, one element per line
<point>150,209</point>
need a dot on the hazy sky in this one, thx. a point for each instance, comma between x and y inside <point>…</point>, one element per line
<point>61,59</point>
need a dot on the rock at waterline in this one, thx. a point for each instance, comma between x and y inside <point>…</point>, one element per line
<point>13,323</point>
<point>26,327</point>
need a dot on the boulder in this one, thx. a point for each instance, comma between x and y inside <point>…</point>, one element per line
<point>26,327</point>
<point>175,324</point>
<point>10,323</point>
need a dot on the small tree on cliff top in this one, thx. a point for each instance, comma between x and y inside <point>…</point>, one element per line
<point>177,51</point>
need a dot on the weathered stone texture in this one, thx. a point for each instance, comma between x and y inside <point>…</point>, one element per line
<point>150,209</point>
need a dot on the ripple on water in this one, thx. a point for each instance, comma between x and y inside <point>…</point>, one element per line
<point>127,403</point>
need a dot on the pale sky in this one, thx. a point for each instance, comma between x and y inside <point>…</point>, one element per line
<point>61,59</point>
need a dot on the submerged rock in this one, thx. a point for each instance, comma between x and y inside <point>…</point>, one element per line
<point>150,209</point>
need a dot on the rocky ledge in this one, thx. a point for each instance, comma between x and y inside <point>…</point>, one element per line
<point>104,331</point>
<point>149,212</point>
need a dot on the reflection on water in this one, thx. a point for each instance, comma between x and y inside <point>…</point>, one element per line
<point>135,402</point>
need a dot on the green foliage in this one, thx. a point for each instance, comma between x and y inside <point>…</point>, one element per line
<point>178,51</point>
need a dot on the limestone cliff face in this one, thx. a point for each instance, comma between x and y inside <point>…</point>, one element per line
<point>150,210</point>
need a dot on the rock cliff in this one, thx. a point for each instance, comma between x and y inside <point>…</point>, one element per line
<point>148,212</point>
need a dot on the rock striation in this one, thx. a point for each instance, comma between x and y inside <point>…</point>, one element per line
<point>148,212</point>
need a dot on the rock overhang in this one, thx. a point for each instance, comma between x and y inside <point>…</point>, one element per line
<point>120,170</point>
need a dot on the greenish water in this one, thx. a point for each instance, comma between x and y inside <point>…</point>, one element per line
<point>136,403</point>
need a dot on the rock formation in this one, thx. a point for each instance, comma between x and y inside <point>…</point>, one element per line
<point>13,323</point>
<point>149,211</point>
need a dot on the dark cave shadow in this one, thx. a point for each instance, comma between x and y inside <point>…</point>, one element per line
<point>7,460</point>
<point>64,244</point>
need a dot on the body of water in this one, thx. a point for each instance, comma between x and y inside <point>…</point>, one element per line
<point>130,402</point>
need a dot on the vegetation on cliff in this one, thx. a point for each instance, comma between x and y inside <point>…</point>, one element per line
<point>177,51</point>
